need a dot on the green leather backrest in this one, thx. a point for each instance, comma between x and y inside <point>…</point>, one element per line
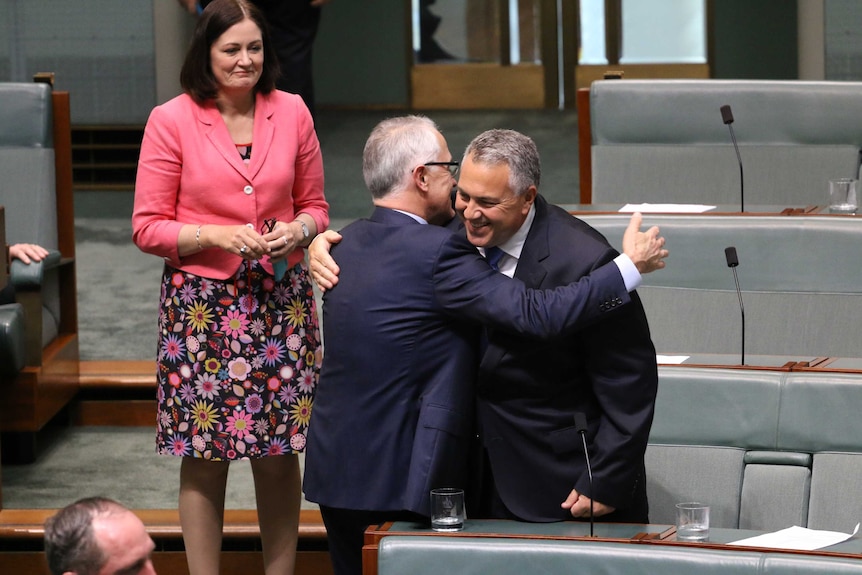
<point>801,279</point>
<point>665,141</point>
<point>806,254</point>
<point>765,449</point>
<point>26,116</point>
<point>717,407</point>
<point>777,416</point>
<point>28,189</point>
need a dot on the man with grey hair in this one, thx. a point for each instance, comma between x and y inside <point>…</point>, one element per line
<point>97,536</point>
<point>534,462</point>
<point>394,407</point>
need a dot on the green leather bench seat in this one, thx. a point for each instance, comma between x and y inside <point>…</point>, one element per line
<point>400,555</point>
<point>765,449</point>
<point>801,278</point>
<point>664,141</point>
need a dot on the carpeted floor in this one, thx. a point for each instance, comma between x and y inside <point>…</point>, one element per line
<point>80,461</point>
<point>118,290</point>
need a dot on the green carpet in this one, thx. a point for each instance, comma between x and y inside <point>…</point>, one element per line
<point>116,462</point>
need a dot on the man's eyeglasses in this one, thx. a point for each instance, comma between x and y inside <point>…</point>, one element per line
<point>451,166</point>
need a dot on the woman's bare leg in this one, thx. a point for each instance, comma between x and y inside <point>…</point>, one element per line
<point>202,493</point>
<point>277,486</point>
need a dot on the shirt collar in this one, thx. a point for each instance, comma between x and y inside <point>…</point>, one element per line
<point>414,216</point>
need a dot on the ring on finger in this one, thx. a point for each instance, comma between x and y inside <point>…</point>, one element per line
<point>284,239</point>
<point>243,249</point>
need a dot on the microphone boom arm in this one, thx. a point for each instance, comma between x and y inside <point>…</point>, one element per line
<point>741,176</point>
<point>727,118</point>
<point>742,312</point>
<point>581,427</point>
<point>732,262</point>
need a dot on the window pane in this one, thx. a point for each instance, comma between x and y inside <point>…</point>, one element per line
<point>663,31</point>
<point>439,30</point>
<point>592,19</point>
<point>469,31</point>
<point>525,31</point>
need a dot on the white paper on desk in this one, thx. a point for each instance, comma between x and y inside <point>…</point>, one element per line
<point>667,208</point>
<point>797,538</point>
<point>671,359</point>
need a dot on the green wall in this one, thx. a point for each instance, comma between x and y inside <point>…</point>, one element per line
<point>361,54</point>
<point>755,39</point>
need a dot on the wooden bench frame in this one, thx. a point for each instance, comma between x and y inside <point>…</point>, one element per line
<point>49,381</point>
<point>22,532</point>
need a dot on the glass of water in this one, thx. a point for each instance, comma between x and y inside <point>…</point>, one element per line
<point>447,509</point>
<point>842,196</point>
<point>692,521</point>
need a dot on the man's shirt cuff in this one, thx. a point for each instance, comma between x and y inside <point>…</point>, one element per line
<point>631,276</point>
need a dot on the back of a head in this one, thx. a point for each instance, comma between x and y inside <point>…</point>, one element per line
<point>69,541</point>
<point>514,149</point>
<point>394,147</point>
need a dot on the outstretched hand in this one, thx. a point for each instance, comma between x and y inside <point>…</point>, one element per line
<point>646,249</point>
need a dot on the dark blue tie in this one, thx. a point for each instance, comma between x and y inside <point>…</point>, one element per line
<point>493,256</point>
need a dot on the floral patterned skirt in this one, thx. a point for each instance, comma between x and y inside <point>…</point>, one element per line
<point>238,362</point>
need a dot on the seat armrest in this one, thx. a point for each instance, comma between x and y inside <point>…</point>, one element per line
<point>28,277</point>
<point>12,339</point>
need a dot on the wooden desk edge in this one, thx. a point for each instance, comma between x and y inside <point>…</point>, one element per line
<point>374,535</point>
<point>160,523</point>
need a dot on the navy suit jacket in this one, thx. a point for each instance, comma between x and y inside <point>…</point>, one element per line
<point>394,407</point>
<point>528,391</point>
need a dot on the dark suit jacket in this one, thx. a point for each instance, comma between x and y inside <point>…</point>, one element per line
<point>394,406</point>
<point>528,390</point>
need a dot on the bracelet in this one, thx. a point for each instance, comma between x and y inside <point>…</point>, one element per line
<point>304,226</point>
<point>198,237</point>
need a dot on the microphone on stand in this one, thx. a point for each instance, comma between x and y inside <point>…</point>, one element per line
<point>727,118</point>
<point>581,427</point>
<point>732,262</point>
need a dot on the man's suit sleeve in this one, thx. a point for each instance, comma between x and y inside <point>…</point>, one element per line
<point>467,287</point>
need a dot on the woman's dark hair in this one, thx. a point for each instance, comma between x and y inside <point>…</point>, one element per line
<point>196,76</point>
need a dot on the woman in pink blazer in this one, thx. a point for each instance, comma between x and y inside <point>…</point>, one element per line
<point>229,191</point>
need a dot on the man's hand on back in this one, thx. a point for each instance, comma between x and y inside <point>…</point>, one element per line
<point>324,270</point>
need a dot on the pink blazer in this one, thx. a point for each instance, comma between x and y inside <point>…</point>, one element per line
<point>190,172</point>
